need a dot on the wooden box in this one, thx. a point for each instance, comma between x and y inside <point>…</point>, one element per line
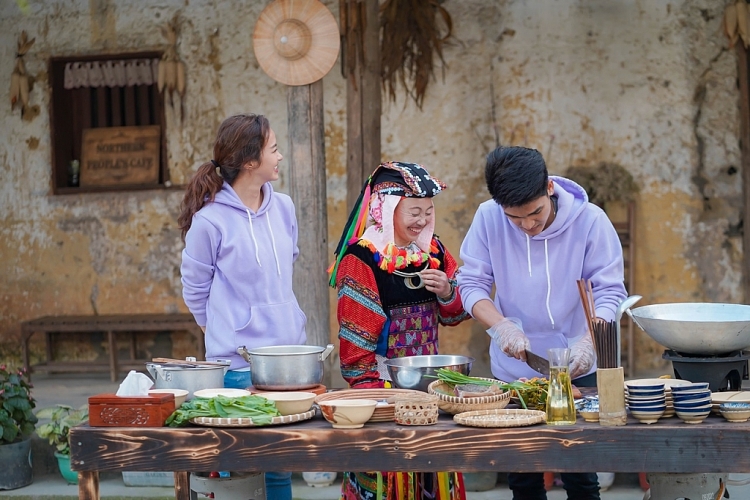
<point>116,156</point>
<point>109,410</point>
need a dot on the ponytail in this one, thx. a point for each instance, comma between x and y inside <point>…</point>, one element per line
<point>202,188</point>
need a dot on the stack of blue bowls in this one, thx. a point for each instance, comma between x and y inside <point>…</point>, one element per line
<point>646,402</point>
<point>692,402</point>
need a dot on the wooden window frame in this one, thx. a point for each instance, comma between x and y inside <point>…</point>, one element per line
<point>64,142</point>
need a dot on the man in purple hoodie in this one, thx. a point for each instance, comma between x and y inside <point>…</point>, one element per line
<point>533,241</point>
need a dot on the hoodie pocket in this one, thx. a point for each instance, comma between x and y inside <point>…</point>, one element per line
<point>273,324</point>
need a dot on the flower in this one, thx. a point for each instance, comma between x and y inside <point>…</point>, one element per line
<point>17,419</point>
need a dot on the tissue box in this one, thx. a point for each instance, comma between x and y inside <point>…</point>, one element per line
<point>109,410</point>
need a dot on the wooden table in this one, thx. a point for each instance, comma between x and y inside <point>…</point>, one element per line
<point>111,324</point>
<point>669,446</point>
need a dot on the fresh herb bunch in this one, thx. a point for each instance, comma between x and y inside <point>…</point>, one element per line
<point>533,391</point>
<point>258,408</point>
<point>62,419</point>
<point>17,419</point>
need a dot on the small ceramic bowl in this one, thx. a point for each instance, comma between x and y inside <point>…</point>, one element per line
<point>221,391</point>
<point>644,385</point>
<point>645,404</point>
<point>179,395</point>
<point>292,402</point>
<point>682,396</point>
<point>692,415</point>
<point>690,387</point>
<point>647,416</point>
<point>647,401</point>
<point>589,416</point>
<point>735,412</point>
<point>348,413</point>
<point>645,392</point>
<point>693,403</point>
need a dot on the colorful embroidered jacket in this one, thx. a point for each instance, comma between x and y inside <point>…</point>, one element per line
<point>378,314</point>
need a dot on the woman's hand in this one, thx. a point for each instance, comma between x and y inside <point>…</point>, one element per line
<point>436,281</point>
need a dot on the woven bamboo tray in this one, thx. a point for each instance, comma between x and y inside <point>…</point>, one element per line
<point>500,418</point>
<point>383,412</point>
<point>455,404</point>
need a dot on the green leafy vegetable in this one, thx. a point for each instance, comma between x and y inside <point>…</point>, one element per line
<point>258,408</point>
<point>531,389</point>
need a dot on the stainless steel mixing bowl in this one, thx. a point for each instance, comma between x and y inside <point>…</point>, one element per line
<point>697,327</point>
<point>409,372</point>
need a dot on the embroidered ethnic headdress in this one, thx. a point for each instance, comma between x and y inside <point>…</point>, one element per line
<point>372,214</point>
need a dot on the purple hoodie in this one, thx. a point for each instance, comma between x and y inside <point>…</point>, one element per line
<point>536,276</point>
<point>237,274</point>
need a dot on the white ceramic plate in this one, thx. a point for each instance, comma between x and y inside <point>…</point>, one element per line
<point>727,396</point>
<point>248,422</point>
<point>230,393</point>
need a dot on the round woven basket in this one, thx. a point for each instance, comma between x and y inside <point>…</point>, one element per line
<point>416,409</point>
<point>455,404</point>
<point>500,418</point>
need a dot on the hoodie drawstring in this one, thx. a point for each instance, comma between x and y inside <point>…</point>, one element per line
<point>549,284</point>
<point>528,253</point>
<point>549,281</point>
<point>252,235</point>
<point>273,244</point>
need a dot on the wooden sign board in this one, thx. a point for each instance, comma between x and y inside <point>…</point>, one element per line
<point>116,156</point>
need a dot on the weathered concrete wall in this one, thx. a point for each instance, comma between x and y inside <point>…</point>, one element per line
<point>648,85</point>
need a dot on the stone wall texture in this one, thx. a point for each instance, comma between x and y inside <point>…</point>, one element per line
<point>650,85</point>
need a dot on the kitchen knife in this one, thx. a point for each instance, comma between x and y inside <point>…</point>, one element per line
<point>537,363</point>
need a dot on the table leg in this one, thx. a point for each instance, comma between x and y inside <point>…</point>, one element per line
<point>112,356</point>
<point>182,485</point>
<point>88,485</point>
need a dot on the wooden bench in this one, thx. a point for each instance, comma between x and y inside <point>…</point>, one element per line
<point>111,325</point>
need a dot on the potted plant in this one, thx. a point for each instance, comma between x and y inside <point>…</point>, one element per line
<point>57,432</point>
<point>17,423</point>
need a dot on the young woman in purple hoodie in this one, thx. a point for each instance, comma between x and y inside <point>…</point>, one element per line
<point>240,246</point>
<point>533,241</point>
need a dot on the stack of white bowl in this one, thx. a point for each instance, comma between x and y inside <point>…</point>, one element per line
<point>646,401</point>
<point>692,402</point>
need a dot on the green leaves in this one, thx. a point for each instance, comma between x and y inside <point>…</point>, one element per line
<point>258,408</point>
<point>17,419</point>
<point>62,419</point>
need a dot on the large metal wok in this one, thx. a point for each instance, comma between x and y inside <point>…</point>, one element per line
<point>696,328</point>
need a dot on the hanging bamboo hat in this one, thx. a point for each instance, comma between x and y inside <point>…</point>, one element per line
<point>296,42</point>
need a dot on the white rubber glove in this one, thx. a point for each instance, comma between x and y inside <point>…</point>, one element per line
<point>582,357</point>
<point>509,337</point>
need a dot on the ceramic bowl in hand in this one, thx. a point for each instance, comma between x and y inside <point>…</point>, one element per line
<point>292,402</point>
<point>179,395</point>
<point>348,413</point>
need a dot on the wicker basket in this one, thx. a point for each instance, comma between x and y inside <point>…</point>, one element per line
<point>417,409</point>
<point>455,404</point>
<point>500,418</point>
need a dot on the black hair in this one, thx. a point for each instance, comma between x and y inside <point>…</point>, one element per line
<point>515,175</point>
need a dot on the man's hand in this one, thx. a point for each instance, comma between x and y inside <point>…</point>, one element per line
<point>582,357</point>
<point>509,337</point>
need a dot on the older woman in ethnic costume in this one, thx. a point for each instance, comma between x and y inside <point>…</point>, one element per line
<point>396,283</point>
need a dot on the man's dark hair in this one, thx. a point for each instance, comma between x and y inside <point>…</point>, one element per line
<point>515,175</point>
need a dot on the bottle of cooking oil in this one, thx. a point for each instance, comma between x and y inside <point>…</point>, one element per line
<point>561,408</point>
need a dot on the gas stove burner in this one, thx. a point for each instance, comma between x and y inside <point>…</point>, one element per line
<point>722,372</point>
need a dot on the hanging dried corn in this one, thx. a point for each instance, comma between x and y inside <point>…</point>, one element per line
<point>736,19</point>
<point>19,79</point>
<point>171,74</point>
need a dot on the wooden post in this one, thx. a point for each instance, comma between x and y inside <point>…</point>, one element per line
<point>308,190</point>
<point>744,84</point>
<point>360,27</point>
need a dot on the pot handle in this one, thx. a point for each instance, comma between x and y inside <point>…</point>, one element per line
<point>242,351</point>
<point>328,350</point>
<point>156,371</point>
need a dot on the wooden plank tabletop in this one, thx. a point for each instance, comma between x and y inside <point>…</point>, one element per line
<point>667,446</point>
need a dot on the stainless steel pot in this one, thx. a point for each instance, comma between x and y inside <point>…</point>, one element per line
<point>286,367</point>
<point>187,376</point>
